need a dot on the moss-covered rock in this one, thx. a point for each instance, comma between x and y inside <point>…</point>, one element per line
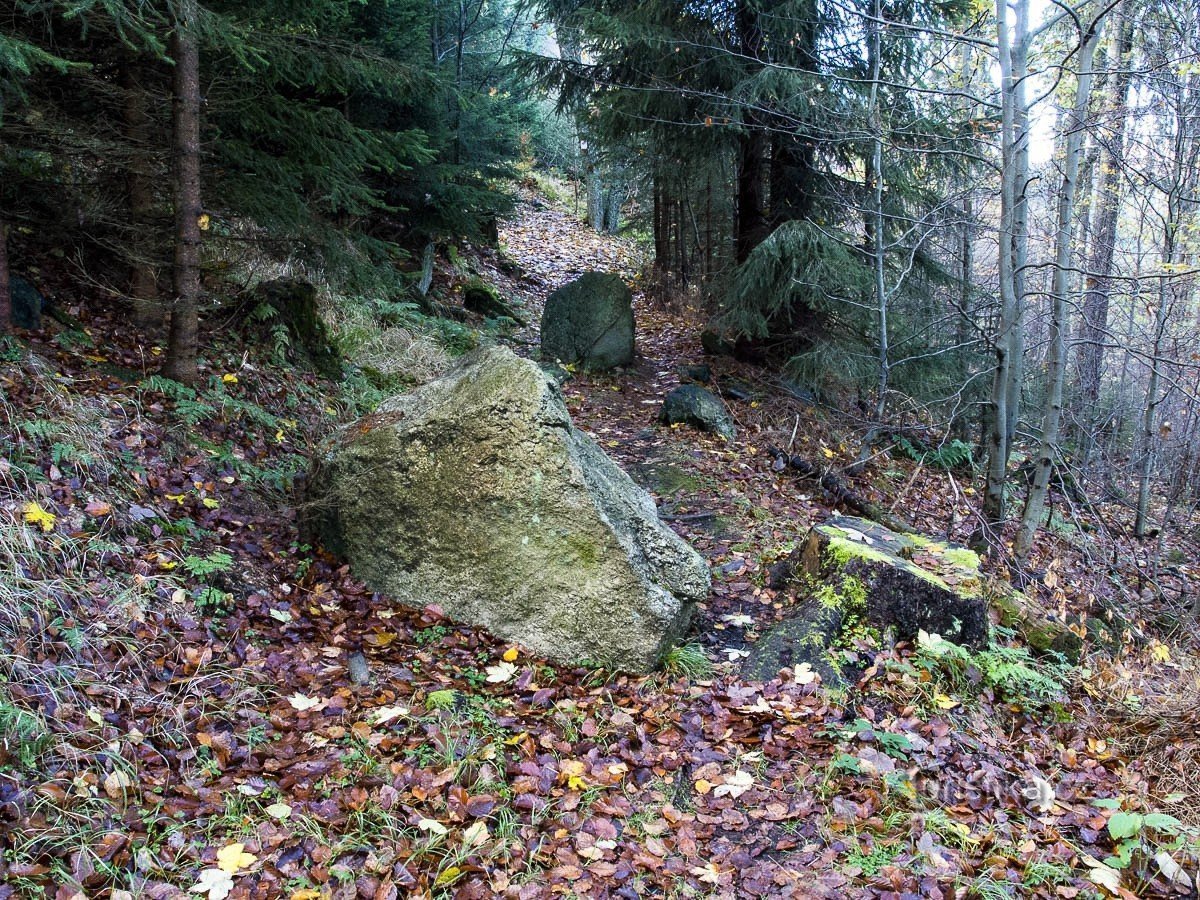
<point>293,304</point>
<point>1037,630</point>
<point>480,297</point>
<point>690,404</point>
<point>912,583</point>
<point>806,636</point>
<point>475,492</point>
<point>28,304</point>
<point>862,578</point>
<point>589,323</point>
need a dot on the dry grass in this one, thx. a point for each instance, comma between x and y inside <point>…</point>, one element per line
<point>405,354</point>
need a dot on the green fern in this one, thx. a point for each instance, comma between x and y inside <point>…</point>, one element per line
<point>1010,672</point>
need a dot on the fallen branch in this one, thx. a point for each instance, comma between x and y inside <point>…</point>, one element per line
<point>838,490</point>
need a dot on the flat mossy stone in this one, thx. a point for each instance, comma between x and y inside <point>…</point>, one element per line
<point>898,591</point>
<point>482,298</point>
<point>806,636</point>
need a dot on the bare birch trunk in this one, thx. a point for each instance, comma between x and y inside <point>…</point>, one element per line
<point>1074,125</point>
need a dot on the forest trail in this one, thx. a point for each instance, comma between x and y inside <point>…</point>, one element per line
<point>349,747</point>
<point>721,496</point>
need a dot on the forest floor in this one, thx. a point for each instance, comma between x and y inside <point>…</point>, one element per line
<point>181,719</point>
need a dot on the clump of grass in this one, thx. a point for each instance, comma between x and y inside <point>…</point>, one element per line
<point>688,660</point>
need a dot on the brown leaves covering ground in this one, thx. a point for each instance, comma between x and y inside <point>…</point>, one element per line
<point>431,780</point>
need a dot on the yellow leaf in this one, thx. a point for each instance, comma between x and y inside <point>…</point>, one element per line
<point>210,503</point>
<point>178,498</point>
<point>279,436</point>
<point>447,875</point>
<point>203,221</point>
<point>511,654</point>
<point>828,453</point>
<point>703,786</point>
<point>35,515</point>
<point>944,702</point>
<point>305,894</point>
<point>1160,653</point>
<point>229,378</point>
<point>233,858</point>
<point>278,810</point>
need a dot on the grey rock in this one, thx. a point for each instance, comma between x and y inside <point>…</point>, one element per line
<point>358,668</point>
<point>476,493</point>
<point>692,405</point>
<point>28,304</point>
<point>589,322</point>
<point>699,373</point>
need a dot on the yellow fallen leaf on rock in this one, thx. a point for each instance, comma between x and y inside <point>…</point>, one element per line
<point>511,654</point>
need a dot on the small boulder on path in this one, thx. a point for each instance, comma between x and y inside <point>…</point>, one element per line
<point>692,405</point>
<point>589,323</point>
<point>476,493</point>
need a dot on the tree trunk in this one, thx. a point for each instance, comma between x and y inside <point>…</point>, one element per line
<point>876,232</point>
<point>1035,503</point>
<point>183,339</point>
<point>751,225</point>
<point>143,276</point>
<point>1093,332</point>
<point>1007,343</point>
<point>5,289</point>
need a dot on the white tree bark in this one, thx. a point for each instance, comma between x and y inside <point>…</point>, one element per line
<point>1074,126</point>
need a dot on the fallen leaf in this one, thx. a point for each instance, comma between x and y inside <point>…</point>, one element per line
<point>501,672</point>
<point>302,703</point>
<point>735,785</point>
<point>216,883</point>
<point>234,857</point>
<point>35,515</point>
<point>804,674</point>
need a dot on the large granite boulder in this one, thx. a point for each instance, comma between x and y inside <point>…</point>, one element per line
<point>476,493</point>
<point>690,404</point>
<point>589,323</point>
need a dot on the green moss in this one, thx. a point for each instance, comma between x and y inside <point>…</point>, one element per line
<point>850,595</point>
<point>961,556</point>
<point>841,550</point>
<point>584,549</point>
